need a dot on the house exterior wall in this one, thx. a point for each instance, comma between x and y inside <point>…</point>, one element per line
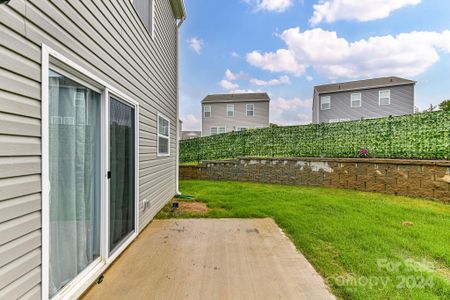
<point>402,103</point>
<point>108,39</point>
<point>219,116</point>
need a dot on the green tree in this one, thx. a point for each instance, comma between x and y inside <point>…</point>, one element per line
<point>445,105</point>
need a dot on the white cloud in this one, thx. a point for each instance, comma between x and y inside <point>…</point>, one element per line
<point>290,111</point>
<point>270,5</point>
<point>282,60</point>
<point>231,76</point>
<point>406,54</point>
<point>272,82</point>
<point>282,104</point>
<point>244,91</point>
<point>196,44</point>
<point>191,122</point>
<point>228,85</point>
<point>359,10</point>
<point>235,54</point>
<point>309,78</point>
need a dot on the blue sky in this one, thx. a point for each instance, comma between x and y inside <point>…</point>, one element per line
<point>285,47</point>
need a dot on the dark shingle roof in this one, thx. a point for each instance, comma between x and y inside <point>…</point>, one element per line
<point>362,84</point>
<point>244,97</point>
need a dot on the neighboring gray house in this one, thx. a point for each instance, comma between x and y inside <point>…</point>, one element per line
<point>88,136</point>
<point>368,99</point>
<point>234,112</point>
<point>186,135</point>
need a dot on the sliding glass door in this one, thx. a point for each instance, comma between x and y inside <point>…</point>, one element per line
<point>75,184</point>
<point>91,157</point>
<point>122,205</point>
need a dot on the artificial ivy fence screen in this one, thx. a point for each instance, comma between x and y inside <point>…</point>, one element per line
<point>423,136</point>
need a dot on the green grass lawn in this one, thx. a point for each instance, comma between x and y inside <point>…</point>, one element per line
<point>356,240</point>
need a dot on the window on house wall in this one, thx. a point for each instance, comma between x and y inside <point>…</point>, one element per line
<point>217,130</point>
<point>250,110</point>
<point>230,110</point>
<point>146,11</point>
<point>242,128</point>
<point>207,111</point>
<point>163,136</point>
<point>355,100</point>
<point>325,102</point>
<point>385,97</point>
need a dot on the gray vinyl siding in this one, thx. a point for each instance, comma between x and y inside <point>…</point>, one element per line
<point>219,116</point>
<point>108,39</point>
<point>402,103</point>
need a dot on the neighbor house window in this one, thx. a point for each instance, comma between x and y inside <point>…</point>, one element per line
<point>241,128</point>
<point>163,136</point>
<point>356,100</point>
<point>250,110</point>
<point>146,11</point>
<point>385,97</point>
<point>325,102</point>
<point>207,111</point>
<point>217,130</point>
<point>230,110</point>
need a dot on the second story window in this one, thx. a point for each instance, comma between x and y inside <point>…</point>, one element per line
<point>250,110</point>
<point>207,111</point>
<point>146,11</point>
<point>385,97</point>
<point>325,102</point>
<point>356,100</point>
<point>230,110</point>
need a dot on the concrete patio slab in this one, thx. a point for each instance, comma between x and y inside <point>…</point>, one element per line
<point>211,259</point>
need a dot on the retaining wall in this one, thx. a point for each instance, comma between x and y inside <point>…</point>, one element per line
<point>417,178</point>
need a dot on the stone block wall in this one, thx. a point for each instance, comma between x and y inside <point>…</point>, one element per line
<point>417,178</point>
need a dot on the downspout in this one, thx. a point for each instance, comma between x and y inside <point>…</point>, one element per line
<point>177,156</point>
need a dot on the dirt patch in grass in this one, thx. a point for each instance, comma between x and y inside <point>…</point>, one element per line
<point>193,206</point>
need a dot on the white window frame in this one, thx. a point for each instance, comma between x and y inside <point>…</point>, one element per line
<point>52,59</point>
<point>322,98</point>
<point>159,115</point>
<point>217,130</point>
<point>379,97</point>
<point>239,128</point>
<point>150,31</point>
<point>232,110</point>
<point>352,100</point>
<point>204,111</point>
<point>252,110</point>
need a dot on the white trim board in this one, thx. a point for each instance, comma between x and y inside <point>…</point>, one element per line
<point>77,286</point>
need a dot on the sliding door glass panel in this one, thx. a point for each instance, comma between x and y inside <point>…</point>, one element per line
<point>122,167</point>
<point>74,152</point>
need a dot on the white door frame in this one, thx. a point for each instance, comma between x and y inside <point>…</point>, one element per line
<point>111,256</point>
<point>78,285</point>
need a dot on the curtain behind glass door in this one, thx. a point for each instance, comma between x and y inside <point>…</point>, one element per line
<point>122,167</point>
<point>74,154</point>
